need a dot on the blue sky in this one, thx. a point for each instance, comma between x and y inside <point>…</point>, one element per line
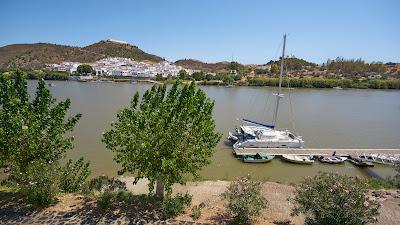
<point>212,30</point>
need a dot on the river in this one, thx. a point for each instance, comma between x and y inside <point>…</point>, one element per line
<point>326,118</point>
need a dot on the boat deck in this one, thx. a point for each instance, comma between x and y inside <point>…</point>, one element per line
<point>314,151</point>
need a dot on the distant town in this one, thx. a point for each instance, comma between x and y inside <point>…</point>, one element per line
<point>124,67</point>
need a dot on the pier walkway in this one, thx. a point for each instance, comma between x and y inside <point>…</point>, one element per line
<point>314,151</point>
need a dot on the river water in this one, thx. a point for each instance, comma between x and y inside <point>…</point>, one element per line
<point>326,118</point>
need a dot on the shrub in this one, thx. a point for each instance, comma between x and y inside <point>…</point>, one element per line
<point>123,196</point>
<point>245,201</point>
<point>42,185</point>
<point>105,200</point>
<point>104,183</point>
<point>196,212</point>
<point>329,198</point>
<point>74,175</point>
<point>173,206</point>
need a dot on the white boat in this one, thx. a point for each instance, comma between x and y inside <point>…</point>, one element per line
<point>338,88</point>
<point>381,159</point>
<point>260,135</point>
<point>298,159</point>
<point>264,137</point>
<point>332,159</point>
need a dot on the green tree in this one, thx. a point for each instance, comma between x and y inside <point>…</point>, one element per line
<point>159,77</point>
<point>84,69</point>
<point>166,136</point>
<point>183,75</point>
<point>32,130</point>
<point>198,76</point>
<point>332,199</point>
<point>274,68</point>
<point>32,136</point>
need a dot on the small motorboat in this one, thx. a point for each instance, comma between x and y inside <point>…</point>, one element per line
<point>331,159</point>
<point>360,162</point>
<point>260,157</point>
<point>378,158</point>
<point>298,159</point>
<point>233,135</point>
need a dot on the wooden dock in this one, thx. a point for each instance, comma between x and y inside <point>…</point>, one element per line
<point>314,151</point>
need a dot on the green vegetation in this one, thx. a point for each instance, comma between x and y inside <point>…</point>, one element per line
<point>74,175</point>
<point>84,69</point>
<point>104,201</point>
<point>352,67</point>
<point>33,138</point>
<point>177,135</point>
<point>291,64</point>
<point>196,212</point>
<point>332,199</point>
<point>324,83</point>
<point>173,206</point>
<point>245,201</point>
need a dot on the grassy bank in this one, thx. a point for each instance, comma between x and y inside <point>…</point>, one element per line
<point>323,83</point>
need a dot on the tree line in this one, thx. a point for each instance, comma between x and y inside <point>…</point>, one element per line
<point>323,83</point>
<point>353,67</point>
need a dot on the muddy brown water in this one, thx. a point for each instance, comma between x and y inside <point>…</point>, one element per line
<point>326,118</point>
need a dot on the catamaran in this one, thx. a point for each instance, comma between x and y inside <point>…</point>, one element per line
<point>261,135</point>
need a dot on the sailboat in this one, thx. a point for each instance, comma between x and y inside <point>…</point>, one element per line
<point>261,135</point>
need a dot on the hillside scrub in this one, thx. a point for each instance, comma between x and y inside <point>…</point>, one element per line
<point>324,83</point>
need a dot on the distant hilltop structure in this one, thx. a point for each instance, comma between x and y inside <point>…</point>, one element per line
<point>117,41</point>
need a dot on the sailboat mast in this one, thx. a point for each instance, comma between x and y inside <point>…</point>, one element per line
<point>278,95</point>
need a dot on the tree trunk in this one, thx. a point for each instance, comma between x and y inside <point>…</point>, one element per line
<point>160,187</point>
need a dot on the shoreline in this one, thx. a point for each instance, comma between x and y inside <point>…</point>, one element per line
<point>76,208</point>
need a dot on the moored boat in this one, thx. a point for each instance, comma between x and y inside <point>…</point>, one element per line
<point>260,157</point>
<point>331,159</point>
<point>298,159</point>
<point>261,135</point>
<point>360,162</point>
<point>380,158</point>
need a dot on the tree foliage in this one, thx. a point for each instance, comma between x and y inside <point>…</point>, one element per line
<point>332,199</point>
<point>33,137</point>
<point>32,130</point>
<point>166,135</point>
<point>353,67</point>
<point>84,69</point>
<point>183,75</point>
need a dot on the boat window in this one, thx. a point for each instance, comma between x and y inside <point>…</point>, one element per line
<point>291,136</point>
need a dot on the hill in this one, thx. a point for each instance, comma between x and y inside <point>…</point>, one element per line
<point>199,65</point>
<point>35,56</point>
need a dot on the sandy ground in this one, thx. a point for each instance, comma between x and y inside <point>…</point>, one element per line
<point>279,208</point>
<point>209,194</point>
<point>76,209</point>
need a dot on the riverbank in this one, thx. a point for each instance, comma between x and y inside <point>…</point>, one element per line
<point>73,208</point>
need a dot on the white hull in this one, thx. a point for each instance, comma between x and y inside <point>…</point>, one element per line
<point>267,144</point>
<point>298,159</point>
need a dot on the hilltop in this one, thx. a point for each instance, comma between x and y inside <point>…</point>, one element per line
<point>202,66</point>
<point>35,56</point>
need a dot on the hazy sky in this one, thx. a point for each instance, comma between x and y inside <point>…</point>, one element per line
<point>212,30</point>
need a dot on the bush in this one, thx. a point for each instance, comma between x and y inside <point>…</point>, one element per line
<point>176,205</point>
<point>332,199</point>
<point>105,200</point>
<point>104,183</point>
<point>74,175</point>
<point>245,201</point>
<point>42,184</point>
<point>196,212</point>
